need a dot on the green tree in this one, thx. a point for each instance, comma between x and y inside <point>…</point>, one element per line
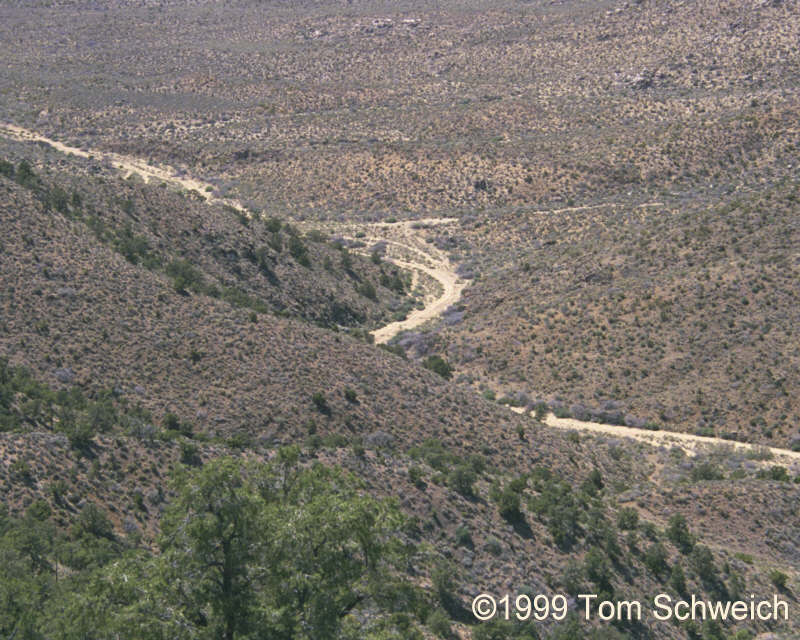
<point>208,537</point>
<point>26,573</point>
<point>247,551</point>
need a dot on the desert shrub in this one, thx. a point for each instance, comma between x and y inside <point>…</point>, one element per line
<point>444,585</point>
<point>185,277</point>
<point>706,470</point>
<point>393,282</point>
<point>778,578</point>
<point>79,432</point>
<point>273,225</point>
<point>417,476</point>
<point>94,521</point>
<point>462,480</point>
<point>434,453</point>
<point>463,536</point>
<point>25,175</point>
<point>494,546</point>
<point>627,518</point>
<point>597,569</point>
<point>190,454</point>
<point>558,506</point>
<point>439,365</point>
<point>315,235</point>
<point>396,349</point>
<point>678,533</point>
<point>320,402</point>
<point>477,462</point>
<point>776,473</point>
<point>7,168</point>
<point>702,562</point>
<point>499,629</point>
<point>135,248</point>
<point>508,502</point>
<point>299,251</point>
<point>39,510</point>
<point>540,410</point>
<point>439,623</point>
<point>593,483</point>
<point>335,441</point>
<point>367,289</point>
<point>655,559</point>
<point>275,242</point>
<point>677,579</point>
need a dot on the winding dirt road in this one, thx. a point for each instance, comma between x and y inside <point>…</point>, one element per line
<point>127,165</point>
<point>407,248</point>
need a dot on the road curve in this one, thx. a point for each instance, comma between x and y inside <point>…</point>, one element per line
<point>423,258</point>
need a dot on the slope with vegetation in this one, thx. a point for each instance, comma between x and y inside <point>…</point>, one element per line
<point>192,414</point>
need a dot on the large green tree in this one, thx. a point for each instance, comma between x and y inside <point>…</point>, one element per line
<point>248,550</point>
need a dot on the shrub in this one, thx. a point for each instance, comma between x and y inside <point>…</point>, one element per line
<point>477,462</point>
<point>6,168</point>
<point>597,569</point>
<point>273,225</point>
<point>439,365</point>
<point>190,454</point>
<point>628,518</point>
<point>439,623</point>
<point>678,533</point>
<point>58,489</point>
<point>706,470</point>
<point>703,563</point>
<point>20,471</point>
<point>434,453</point>
<point>778,578</point>
<point>299,251</point>
<point>677,579</point>
<point>508,502</point>
<point>443,580</point>
<point>558,506</point>
<point>655,559</point>
<point>776,473</point>
<point>25,174</point>
<point>367,289</point>
<point>461,479</point>
<point>463,536</point>
<point>321,403</point>
<point>185,277</point>
<point>494,546</point>
<point>39,510</point>
<point>416,476</point>
<point>171,422</point>
<point>94,521</point>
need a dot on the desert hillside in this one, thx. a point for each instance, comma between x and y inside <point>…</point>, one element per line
<point>319,319</point>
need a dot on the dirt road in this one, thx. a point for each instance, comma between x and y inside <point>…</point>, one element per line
<point>127,165</point>
<point>407,248</point>
<point>689,442</point>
